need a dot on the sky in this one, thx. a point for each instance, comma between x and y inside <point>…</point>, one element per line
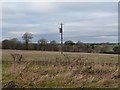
<point>89,22</point>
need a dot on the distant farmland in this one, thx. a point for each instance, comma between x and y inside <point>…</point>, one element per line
<point>53,70</point>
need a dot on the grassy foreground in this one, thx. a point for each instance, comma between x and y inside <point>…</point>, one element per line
<point>50,70</point>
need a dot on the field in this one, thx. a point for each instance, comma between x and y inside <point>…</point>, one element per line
<point>51,70</point>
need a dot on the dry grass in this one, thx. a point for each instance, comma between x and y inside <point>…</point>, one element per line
<point>45,69</point>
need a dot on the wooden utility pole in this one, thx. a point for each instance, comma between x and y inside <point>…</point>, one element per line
<point>61,32</point>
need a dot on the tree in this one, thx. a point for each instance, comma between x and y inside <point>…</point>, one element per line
<point>69,46</point>
<point>19,45</point>
<point>10,44</point>
<point>53,42</point>
<point>117,49</point>
<point>105,49</point>
<point>97,49</point>
<point>69,42</point>
<point>79,42</point>
<point>92,46</point>
<point>5,44</point>
<point>89,48</point>
<point>27,37</point>
<point>53,46</point>
<point>42,41</point>
<point>42,44</point>
<point>0,45</point>
<point>13,43</point>
<point>79,46</point>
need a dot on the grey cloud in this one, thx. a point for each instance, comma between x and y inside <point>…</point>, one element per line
<point>82,21</point>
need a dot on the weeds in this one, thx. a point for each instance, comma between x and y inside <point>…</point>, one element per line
<point>60,71</point>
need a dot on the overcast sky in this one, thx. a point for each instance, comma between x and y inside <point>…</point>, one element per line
<point>83,21</point>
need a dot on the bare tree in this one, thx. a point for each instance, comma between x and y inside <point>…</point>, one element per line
<point>17,57</point>
<point>27,37</point>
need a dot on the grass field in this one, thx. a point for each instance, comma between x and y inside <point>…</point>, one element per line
<point>51,69</point>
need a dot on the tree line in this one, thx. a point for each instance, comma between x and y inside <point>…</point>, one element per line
<point>68,46</point>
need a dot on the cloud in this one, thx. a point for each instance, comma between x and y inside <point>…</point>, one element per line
<point>60,1</point>
<point>82,21</point>
<point>43,7</point>
<point>20,33</point>
<point>104,14</point>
